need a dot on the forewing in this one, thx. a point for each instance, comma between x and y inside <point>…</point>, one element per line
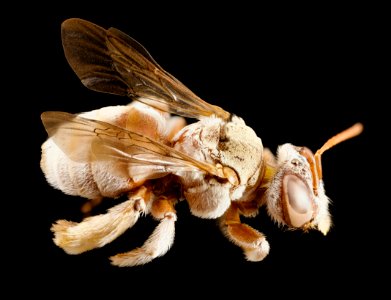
<point>110,61</point>
<point>85,51</point>
<point>84,140</point>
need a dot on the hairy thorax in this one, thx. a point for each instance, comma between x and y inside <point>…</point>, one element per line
<point>231,144</point>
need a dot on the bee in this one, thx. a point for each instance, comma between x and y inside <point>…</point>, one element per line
<point>146,151</point>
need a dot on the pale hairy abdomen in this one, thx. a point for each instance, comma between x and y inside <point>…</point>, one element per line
<point>70,177</point>
<point>98,179</point>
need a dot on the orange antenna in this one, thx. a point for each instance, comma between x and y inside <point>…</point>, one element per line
<point>349,133</point>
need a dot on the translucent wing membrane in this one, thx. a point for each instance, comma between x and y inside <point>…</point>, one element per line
<point>85,140</point>
<point>84,49</point>
<point>112,62</point>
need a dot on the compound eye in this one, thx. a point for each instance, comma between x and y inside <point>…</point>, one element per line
<point>297,201</point>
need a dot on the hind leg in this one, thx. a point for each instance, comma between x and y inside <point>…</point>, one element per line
<point>254,243</point>
<point>160,240</point>
<point>97,231</point>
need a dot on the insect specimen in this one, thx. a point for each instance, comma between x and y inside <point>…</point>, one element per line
<point>217,165</point>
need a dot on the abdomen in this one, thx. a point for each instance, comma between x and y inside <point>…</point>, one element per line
<point>98,179</point>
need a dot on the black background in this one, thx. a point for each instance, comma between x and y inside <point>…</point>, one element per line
<point>298,79</point>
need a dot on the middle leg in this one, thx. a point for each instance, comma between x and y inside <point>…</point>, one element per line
<point>160,240</point>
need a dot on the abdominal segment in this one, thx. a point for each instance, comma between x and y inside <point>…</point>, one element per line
<point>96,179</point>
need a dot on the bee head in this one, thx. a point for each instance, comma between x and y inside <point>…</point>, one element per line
<point>296,196</point>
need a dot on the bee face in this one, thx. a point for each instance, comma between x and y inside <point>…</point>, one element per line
<point>291,198</point>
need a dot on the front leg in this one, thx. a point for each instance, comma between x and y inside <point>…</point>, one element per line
<point>254,243</point>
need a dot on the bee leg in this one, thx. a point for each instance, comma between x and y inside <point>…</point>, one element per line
<point>97,231</point>
<point>254,243</point>
<point>160,240</point>
<point>87,207</point>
